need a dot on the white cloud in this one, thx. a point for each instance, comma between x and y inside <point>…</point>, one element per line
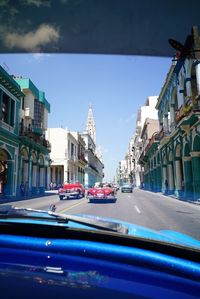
<point>40,56</point>
<point>102,149</point>
<point>34,40</point>
<point>105,150</point>
<point>37,3</point>
<point>128,119</point>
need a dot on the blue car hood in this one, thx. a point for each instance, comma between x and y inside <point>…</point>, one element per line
<point>147,233</point>
<point>168,236</point>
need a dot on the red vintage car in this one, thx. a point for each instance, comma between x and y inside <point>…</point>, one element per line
<point>101,194</point>
<point>68,191</point>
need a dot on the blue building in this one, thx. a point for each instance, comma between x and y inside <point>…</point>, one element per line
<point>10,102</point>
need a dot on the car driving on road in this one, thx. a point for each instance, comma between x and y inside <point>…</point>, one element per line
<point>127,188</point>
<point>101,193</point>
<point>68,191</point>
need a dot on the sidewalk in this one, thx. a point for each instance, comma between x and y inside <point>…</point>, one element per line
<point>7,199</point>
<point>189,199</point>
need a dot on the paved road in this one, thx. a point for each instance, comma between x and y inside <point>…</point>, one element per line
<point>144,208</point>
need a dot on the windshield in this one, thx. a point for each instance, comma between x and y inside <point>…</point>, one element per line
<point>130,123</point>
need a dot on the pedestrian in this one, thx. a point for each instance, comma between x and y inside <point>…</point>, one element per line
<point>22,189</point>
<point>183,188</point>
<point>166,186</point>
<point>51,185</point>
<point>26,188</point>
<point>182,185</point>
<point>52,208</point>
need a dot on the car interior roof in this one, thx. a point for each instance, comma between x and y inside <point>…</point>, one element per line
<point>97,27</point>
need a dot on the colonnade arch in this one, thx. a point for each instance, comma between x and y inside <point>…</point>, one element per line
<point>34,169</point>
<point>164,170</point>
<point>178,168</point>
<point>41,171</point>
<point>187,169</point>
<point>196,165</point>
<point>5,176</point>
<point>171,171</point>
<point>24,165</point>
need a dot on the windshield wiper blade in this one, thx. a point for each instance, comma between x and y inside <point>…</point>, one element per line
<point>9,211</point>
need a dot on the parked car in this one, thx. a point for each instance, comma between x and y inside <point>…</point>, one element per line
<point>76,190</point>
<point>101,194</point>
<point>127,188</point>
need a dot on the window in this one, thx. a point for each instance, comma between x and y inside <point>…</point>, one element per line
<point>22,103</point>
<point>69,148</point>
<point>8,110</point>
<point>5,105</point>
<point>12,112</point>
<point>72,149</point>
<point>194,82</point>
<point>38,114</point>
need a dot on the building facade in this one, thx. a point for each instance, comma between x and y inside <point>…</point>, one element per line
<point>94,168</point>
<point>123,172</point>
<point>150,164</point>
<point>174,153</point>
<point>10,102</point>
<point>64,156</point>
<point>179,110</point>
<point>34,149</point>
<point>82,162</point>
<point>24,151</point>
<point>135,170</point>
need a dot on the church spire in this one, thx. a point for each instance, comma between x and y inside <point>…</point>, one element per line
<point>90,126</point>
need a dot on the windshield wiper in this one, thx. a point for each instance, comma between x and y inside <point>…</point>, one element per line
<point>9,212</point>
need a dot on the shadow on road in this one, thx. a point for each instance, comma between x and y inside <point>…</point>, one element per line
<point>7,199</point>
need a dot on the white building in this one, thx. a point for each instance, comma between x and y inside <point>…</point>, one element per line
<point>82,162</point>
<point>144,112</point>
<point>94,168</point>
<point>64,156</point>
<point>123,172</point>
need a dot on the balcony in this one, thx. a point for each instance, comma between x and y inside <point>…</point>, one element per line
<point>37,130</point>
<point>27,112</point>
<point>164,137</point>
<point>93,167</point>
<point>31,136</point>
<point>150,147</point>
<point>153,141</point>
<point>72,158</point>
<point>7,126</point>
<point>81,157</point>
<point>189,112</point>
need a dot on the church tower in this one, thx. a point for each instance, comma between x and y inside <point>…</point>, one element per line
<point>90,126</point>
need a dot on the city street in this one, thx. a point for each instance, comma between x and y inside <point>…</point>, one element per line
<point>144,208</point>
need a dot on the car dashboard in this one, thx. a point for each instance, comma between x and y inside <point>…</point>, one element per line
<point>63,262</point>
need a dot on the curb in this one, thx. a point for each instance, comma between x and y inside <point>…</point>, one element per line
<point>196,202</point>
<point>19,198</point>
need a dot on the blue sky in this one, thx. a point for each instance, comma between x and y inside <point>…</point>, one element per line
<point>116,86</point>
